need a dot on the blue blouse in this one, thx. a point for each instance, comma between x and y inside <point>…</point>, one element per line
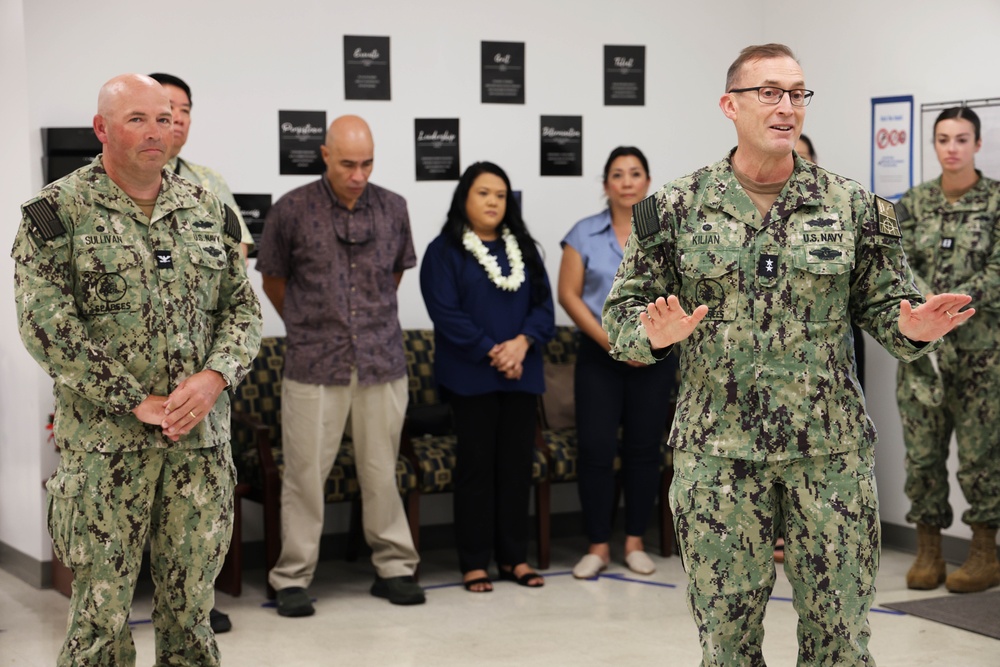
<point>594,238</point>
<point>471,315</point>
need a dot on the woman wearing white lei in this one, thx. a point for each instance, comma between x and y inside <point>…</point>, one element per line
<point>485,288</point>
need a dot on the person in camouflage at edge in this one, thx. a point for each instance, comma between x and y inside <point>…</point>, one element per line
<point>950,233</point>
<point>773,257</point>
<point>132,294</point>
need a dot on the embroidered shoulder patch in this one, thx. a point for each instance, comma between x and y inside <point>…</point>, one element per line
<point>888,224</point>
<point>646,218</point>
<point>232,224</point>
<point>45,222</point>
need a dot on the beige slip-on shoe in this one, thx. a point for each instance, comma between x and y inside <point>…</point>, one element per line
<point>589,567</point>
<point>640,563</point>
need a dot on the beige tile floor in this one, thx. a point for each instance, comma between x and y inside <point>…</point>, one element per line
<point>616,620</point>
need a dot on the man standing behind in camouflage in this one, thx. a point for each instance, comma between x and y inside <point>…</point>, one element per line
<point>132,294</point>
<point>180,105</point>
<point>773,257</point>
<point>179,94</point>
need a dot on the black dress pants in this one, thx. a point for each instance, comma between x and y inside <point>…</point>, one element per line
<point>496,438</point>
<point>610,395</point>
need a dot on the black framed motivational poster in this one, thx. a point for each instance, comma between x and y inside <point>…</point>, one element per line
<point>624,75</point>
<point>254,208</point>
<point>436,148</point>
<point>503,72</point>
<point>300,136</point>
<point>562,145</point>
<point>366,68</point>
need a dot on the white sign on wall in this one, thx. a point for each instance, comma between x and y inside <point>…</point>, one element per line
<point>892,146</point>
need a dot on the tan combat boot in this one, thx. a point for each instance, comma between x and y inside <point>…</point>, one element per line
<point>928,570</point>
<point>981,570</point>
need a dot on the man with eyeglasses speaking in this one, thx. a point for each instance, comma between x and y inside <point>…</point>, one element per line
<point>755,267</point>
<point>332,255</point>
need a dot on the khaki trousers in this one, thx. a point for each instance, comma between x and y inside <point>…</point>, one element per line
<point>313,421</point>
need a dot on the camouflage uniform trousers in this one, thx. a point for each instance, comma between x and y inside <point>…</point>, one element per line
<point>102,507</point>
<point>724,514</point>
<point>971,407</point>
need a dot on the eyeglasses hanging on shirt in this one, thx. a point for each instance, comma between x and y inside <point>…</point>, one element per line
<point>356,228</point>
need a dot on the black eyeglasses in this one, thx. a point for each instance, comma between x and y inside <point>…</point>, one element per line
<point>799,97</point>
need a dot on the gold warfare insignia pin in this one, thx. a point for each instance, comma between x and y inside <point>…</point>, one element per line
<point>646,217</point>
<point>888,224</point>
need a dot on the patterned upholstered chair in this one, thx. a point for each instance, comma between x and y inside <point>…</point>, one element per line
<point>430,444</point>
<point>557,437</point>
<point>256,439</point>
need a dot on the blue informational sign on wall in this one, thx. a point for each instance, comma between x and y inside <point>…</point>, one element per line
<point>892,146</point>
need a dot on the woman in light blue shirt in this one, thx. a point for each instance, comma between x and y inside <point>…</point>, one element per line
<point>612,394</point>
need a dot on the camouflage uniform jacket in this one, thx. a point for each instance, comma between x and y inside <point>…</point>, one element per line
<point>955,247</point>
<point>212,181</point>
<point>119,307</point>
<point>769,373</point>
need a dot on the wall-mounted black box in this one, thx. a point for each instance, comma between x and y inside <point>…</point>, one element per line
<point>66,149</point>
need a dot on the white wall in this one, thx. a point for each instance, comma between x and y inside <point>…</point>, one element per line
<point>25,392</point>
<point>247,60</point>
<point>852,51</point>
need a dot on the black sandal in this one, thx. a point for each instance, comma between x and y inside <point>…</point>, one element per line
<point>524,580</point>
<point>479,580</point>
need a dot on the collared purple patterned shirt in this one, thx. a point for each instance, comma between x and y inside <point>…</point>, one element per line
<point>340,308</point>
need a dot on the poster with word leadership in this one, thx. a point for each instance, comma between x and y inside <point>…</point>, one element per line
<point>366,68</point>
<point>503,73</point>
<point>300,135</point>
<point>436,148</point>
<point>562,145</point>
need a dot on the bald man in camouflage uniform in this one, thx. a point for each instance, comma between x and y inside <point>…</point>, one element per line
<point>952,240</point>
<point>773,257</point>
<point>132,294</point>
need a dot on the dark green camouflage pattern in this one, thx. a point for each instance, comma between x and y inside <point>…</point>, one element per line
<point>771,424</point>
<point>954,247</point>
<point>769,374</point>
<point>115,308</point>
<point>723,511</point>
<point>111,328</point>
<point>102,508</point>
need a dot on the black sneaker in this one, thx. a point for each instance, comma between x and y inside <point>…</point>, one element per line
<point>294,602</point>
<point>220,622</point>
<point>398,590</point>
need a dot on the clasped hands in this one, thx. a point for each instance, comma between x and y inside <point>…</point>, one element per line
<point>508,357</point>
<point>186,405</point>
<point>666,322</point>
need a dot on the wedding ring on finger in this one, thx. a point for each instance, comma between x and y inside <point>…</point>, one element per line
<point>950,316</point>
<point>193,415</point>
